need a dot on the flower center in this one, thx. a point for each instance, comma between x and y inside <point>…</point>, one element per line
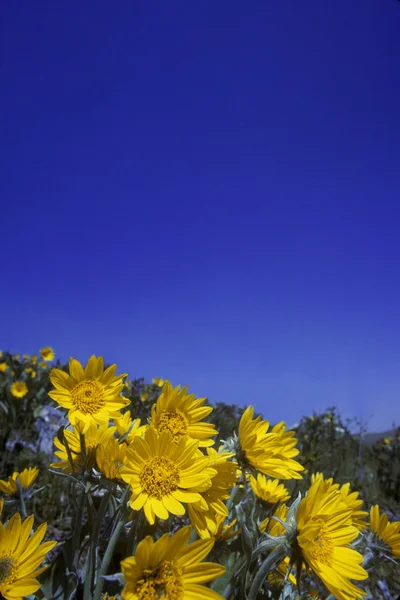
<point>6,568</point>
<point>159,477</point>
<point>88,397</point>
<point>165,581</point>
<point>175,422</point>
<point>322,547</point>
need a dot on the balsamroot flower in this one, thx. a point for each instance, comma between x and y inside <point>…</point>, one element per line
<point>126,424</point>
<point>110,458</point>
<point>171,569</point>
<point>47,353</point>
<point>19,389</point>
<point>26,478</point>
<point>73,454</point>
<point>351,499</point>
<point>20,556</point>
<point>268,490</point>
<point>271,453</point>
<point>181,414</point>
<point>388,532</point>
<point>325,530</point>
<point>91,395</point>
<point>163,474</point>
<point>3,367</point>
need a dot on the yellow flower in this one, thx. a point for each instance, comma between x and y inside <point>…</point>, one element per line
<point>352,501</point>
<point>110,458</point>
<point>158,382</point>
<point>27,478</point>
<point>3,367</point>
<point>19,389</point>
<point>33,374</point>
<point>325,530</point>
<point>20,557</point>
<point>180,413</point>
<point>224,532</point>
<point>171,568</point>
<point>269,490</point>
<point>34,359</point>
<point>92,396</point>
<point>26,357</point>
<point>271,453</point>
<point>93,437</point>
<point>43,365</point>
<point>144,396</point>
<point>388,532</point>
<point>107,597</point>
<point>162,474</point>
<point>125,423</point>
<point>203,514</point>
<point>47,353</point>
<point>387,441</point>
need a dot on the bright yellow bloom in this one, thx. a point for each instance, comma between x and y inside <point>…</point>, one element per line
<point>20,557</point>
<point>92,396</point>
<point>33,374</point>
<point>203,514</point>
<point>388,532</point>
<point>125,423</point>
<point>34,359</point>
<point>163,474</point>
<point>43,365</point>
<point>47,353</point>
<point>27,478</point>
<point>144,396</point>
<point>387,441</point>
<point>3,367</point>
<point>94,437</point>
<point>325,530</point>
<point>158,382</point>
<point>181,414</point>
<point>271,453</point>
<point>352,501</point>
<point>111,458</point>
<point>107,597</point>
<point>224,532</point>
<point>268,490</point>
<point>19,389</point>
<point>170,568</point>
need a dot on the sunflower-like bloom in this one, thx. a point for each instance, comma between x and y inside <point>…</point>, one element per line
<point>268,490</point>
<point>351,499</point>
<point>110,458</point>
<point>19,389</point>
<point>47,353</point>
<point>171,569</point>
<point>388,532</point>
<point>158,382</point>
<point>125,423</point>
<point>20,557</point>
<point>271,453</point>
<point>92,396</point>
<point>163,474</point>
<point>181,413</point>
<point>27,478</point>
<point>3,367</point>
<point>203,514</point>
<point>70,449</point>
<point>325,530</point>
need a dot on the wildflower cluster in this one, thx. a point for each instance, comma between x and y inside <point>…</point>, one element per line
<point>155,493</point>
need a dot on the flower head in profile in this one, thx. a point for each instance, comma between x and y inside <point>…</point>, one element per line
<point>3,367</point>
<point>224,532</point>
<point>110,458</point>
<point>77,450</point>
<point>269,490</point>
<point>20,556</point>
<point>351,499</point>
<point>19,389</point>
<point>203,514</point>
<point>181,414</point>
<point>125,425</point>
<point>325,530</point>
<point>47,353</point>
<point>158,382</point>
<point>271,453</point>
<point>162,474</point>
<point>91,395</point>
<point>388,532</point>
<point>26,478</point>
<point>170,568</point>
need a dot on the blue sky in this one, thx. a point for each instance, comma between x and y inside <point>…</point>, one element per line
<point>208,192</point>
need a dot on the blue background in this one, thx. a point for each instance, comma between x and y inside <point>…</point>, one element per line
<point>208,192</point>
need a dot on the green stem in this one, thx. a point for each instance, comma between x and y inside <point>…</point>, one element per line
<point>110,548</point>
<point>77,529</point>
<point>93,543</point>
